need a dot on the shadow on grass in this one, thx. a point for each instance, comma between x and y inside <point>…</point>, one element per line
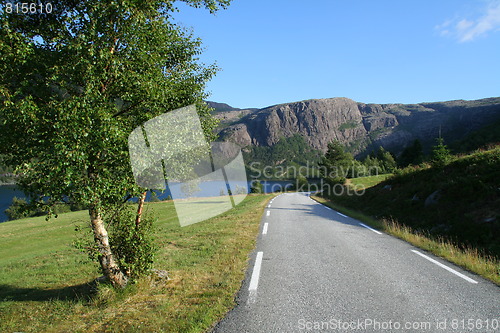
<point>83,292</point>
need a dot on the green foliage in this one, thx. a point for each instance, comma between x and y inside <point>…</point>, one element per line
<point>338,164</point>
<point>380,162</point>
<point>133,245</point>
<point>74,84</point>
<point>440,154</point>
<point>69,104</point>
<point>483,138</point>
<point>302,183</point>
<point>19,209</point>
<point>154,197</point>
<point>387,162</point>
<point>412,154</point>
<point>292,152</point>
<point>335,154</point>
<point>348,125</point>
<point>6,172</point>
<point>256,187</point>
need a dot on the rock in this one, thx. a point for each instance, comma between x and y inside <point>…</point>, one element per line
<point>441,228</point>
<point>393,126</point>
<point>433,199</point>
<point>415,198</point>
<point>101,279</point>
<point>489,220</point>
<point>387,187</point>
<point>160,274</point>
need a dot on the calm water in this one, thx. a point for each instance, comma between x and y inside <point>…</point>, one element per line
<point>8,192</point>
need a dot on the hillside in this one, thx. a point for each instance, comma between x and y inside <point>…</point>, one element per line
<point>460,202</point>
<point>358,126</point>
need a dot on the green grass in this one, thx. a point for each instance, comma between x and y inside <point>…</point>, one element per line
<point>47,285</point>
<point>367,182</point>
<point>348,125</point>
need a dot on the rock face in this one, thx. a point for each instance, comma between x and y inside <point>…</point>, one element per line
<point>359,125</point>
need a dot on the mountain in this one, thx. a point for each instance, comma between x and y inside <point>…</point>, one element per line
<point>358,126</point>
<point>227,114</point>
<point>221,107</point>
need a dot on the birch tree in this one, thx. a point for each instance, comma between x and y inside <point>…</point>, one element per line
<point>76,81</point>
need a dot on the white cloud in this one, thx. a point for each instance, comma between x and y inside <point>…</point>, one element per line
<point>465,30</point>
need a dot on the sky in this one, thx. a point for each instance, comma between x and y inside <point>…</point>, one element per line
<point>372,51</point>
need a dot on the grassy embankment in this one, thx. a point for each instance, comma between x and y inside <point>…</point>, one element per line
<point>46,284</point>
<point>462,225</point>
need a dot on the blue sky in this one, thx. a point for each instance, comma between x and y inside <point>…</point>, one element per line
<point>373,51</point>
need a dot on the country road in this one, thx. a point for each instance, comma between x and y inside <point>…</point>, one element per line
<point>315,270</point>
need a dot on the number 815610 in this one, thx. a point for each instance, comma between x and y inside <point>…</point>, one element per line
<point>28,8</point>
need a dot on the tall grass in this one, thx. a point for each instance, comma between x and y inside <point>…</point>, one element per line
<point>465,256</point>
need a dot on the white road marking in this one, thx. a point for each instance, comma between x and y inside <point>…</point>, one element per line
<point>269,206</point>
<point>367,227</point>
<point>341,214</point>
<point>327,207</point>
<point>254,280</point>
<point>268,213</point>
<point>264,231</point>
<point>445,267</point>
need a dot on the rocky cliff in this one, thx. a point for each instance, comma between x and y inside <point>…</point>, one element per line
<point>360,126</point>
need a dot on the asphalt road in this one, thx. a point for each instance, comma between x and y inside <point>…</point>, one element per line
<point>315,270</point>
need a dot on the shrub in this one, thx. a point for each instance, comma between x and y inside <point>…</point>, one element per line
<point>256,187</point>
<point>132,244</point>
<point>301,183</point>
<point>154,197</point>
<point>20,209</point>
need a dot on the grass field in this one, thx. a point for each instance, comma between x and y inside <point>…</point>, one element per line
<point>46,285</point>
<point>367,182</point>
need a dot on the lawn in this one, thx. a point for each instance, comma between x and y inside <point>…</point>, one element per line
<point>47,285</point>
<point>367,182</point>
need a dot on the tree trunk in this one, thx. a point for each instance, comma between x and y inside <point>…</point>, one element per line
<point>109,266</point>
<point>140,205</point>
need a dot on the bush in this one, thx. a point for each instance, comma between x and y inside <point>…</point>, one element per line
<point>20,209</point>
<point>132,245</point>
<point>154,197</point>
<point>440,154</point>
<point>302,183</point>
<point>256,187</point>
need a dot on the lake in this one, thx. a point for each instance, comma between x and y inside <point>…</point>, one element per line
<point>8,192</point>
